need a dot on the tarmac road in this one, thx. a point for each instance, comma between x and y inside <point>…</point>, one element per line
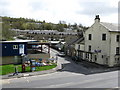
<point>72,76</point>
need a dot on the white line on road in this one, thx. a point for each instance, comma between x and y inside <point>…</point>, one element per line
<point>5,81</point>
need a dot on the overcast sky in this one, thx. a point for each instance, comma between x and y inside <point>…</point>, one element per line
<point>71,11</point>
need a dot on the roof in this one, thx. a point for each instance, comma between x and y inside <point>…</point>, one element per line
<point>19,41</point>
<point>56,42</point>
<point>111,26</point>
<point>77,40</point>
<point>45,31</point>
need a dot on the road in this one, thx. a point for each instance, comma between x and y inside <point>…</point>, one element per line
<point>72,76</point>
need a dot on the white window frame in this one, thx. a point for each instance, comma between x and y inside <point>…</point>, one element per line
<point>15,46</point>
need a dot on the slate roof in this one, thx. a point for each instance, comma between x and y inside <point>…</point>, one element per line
<point>112,27</point>
<point>14,41</point>
<point>46,32</point>
<point>77,40</point>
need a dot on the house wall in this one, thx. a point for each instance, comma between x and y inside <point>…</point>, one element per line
<point>8,50</point>
<point>11,55</point>
<point>81,47</point>
<point>97,43</point>
<point>107,47</point>
<point>114,44</point>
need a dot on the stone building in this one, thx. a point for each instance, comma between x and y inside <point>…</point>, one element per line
<point>101,44</point>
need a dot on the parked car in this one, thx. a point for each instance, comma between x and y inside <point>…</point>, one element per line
<point>62,54</point>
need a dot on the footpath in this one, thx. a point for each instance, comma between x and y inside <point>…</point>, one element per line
<point>96,68</point>
<point>86,67</point>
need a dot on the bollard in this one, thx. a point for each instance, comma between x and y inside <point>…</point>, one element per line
<point>16,71</point>
<point>23,67</point>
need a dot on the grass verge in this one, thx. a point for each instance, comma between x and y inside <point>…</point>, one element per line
<point>6,69</point>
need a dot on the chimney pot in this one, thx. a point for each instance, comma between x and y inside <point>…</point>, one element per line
<point>97,18</point>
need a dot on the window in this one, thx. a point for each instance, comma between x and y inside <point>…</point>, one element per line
<point>5,47</point>
<point>78,47</point>
<point>117,60</point>
<point>89,48</point>
<point>117,38</point>
<point>15,46</point>
<point>103,36</point>
<point>95,58</point>
<point>90,37</point>
<point>106,60</point>
<point>117,50</point>
<point>102,56</point>
<point>86,55</point>
<point>91,56</point>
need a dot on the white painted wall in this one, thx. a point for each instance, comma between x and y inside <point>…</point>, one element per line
<point>113,46</point>
<point>97,43</point>
<point>81,47</point>
<point>107,47</point>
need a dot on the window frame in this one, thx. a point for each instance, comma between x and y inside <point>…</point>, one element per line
<point>89,48</point>
<point>15,46</point>
<point>117,50</point>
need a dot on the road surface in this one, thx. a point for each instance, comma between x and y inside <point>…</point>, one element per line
<point>72,76</point>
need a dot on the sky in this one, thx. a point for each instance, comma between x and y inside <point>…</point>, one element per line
<point>71,11</point>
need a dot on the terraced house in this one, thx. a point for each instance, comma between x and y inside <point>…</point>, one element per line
<point>101,44</point>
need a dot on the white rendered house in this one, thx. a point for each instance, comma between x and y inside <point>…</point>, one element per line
<point>101,44</point>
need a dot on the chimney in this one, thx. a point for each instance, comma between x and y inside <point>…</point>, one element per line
<point>97,19</point>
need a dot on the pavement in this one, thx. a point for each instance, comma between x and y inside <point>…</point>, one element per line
<point>97,67</point>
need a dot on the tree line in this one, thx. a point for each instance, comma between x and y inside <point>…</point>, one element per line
<point>32,24</point>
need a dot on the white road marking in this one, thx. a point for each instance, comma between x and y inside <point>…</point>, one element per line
<point>5,81</point>
<point>28,81</point>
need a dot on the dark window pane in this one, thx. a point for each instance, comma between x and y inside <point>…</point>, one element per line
<point>90,37</point>
<point>103,36</point>
<point>117,38</point>
<point>117,50</point>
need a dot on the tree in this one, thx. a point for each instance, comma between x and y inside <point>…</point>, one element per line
<point>60,26</point>
<point>7,34</point>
